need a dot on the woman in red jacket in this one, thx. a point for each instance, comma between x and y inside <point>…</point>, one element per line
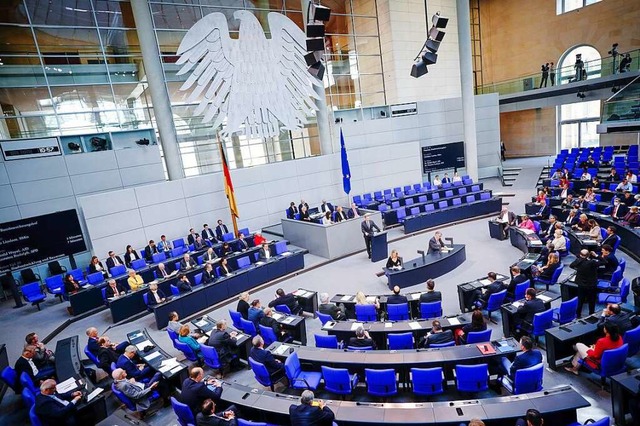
<point>592,354</point>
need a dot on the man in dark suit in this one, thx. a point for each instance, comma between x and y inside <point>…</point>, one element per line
<point>528,358</point>
<point>587,280</point>
<point>362,339</point>
<point>137,371</point>
<point>259,354</point>
<point>92,341</point>
<point>482,298</point>
<point>292,211</point>
<point>113,289</point>
<point>607,262</point>
<point>154,295</point>
<point>269,321</point>
<point>150,250</point>
<point>25,364</point>
<point>208,276</point>
<point>195,390</point>
<point>242,244</point>
<point>572,218</point>
<point>326,207</point>
<point>264,253</point>
<point>353,211</point>
<point>436,243</point>
<point>517,278</point>
<point>367,227</point>
<point>221,229</point>
<point>618,210</point>
<point>396,297</point>
<point>225,343</point>
<point>193,235</point>
<point>183,284</point>
<point>613,314</point>
<point>611,239</point>
<point>106,354</point>
<point>288,299</point>
<point>208,416</point>
<point>56,410</point>
<point>529,308</point>
<point>113,260</point>
<point>208,234</point>
<point>548,233</point>
<point>431,295</point>
<point>187,262</point>
<point>329,308</point>
<point>543,212</point>
<point>436,335</point>
<point>506,219</point>
<point>310,412</point>
<point>302,204</point>
<point>340,214</point>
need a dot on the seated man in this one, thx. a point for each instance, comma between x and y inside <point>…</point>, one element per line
<point>482,297</point>
<point>436,336</point>
<point>613,314</point>
<point>618,210</point>
<point>264,253</point>
<point>137,392</point>
<point>208,416</point>
<point>607,262</point>
<point>518,278</point>
<point>362,339</point>
<point>310,412</point>
<point>135,371</point>
<point>332,309</point>
<point>107,354</point>
<point>431,295</point>
<point>283,298</point>
<point>396,298</point>
<point>44,357</point>
<point>268,321</point>
<point>114,289</point>
<point>543,212</point>
<point>195,391</point>
<point>94,346</point>
<point>529,308</point>
<point>56,409</point>
<point>187,263</point>
<point>25,364</point>
<point>162,273</point>
<point>183,284</point>
<point>528,358</point>
<point>625,185</point>
<point>225,343</point>
<point>532,418</point>
<point>256,312</point>
<point>150,250</point>
<point>632,218</point>
<point>264,357</point>
<point>506,219</point>
<point>154,295</point>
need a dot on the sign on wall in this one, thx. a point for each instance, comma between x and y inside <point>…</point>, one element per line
<point>39,239</point>
<point>442,157</point>
<point>23,149</point>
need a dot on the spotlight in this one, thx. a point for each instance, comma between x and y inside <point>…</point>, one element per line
<point>428,53</point>
<point>143,142</point>
<point>312,57</point>
<point>436,34</point>
<point>73,146</point>
<point>419,69</point>
<point>315,44</point>
<point>98,144</point>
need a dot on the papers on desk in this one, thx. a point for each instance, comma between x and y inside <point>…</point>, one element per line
<point>454,321</point>
<point>503,346</point>
<point>281,350</point>
<point>371,299</point>
<point>590,241</point>
<point>201,323</point>
<point>355,326</point>
<point>93,394</point>
<point>517,304</point>
<point>329,324</point>
<point>388,324</point>
<point>543,297</point>
<point>288,320</point>
<point>535,242</point>
<point>485,281</point>
<point>415,296</point>
<point>169,364</point>
<point>415,325</point>
<point>143,345</point>
<point>302,293</point>
<point>135,335</point>
<point>259,263</point>
<point>276,316</point>
<point>152,356</point>
<point>526,231</point>
<point>581,233</point>
<point>175,370</point>
<point>286,253</point>
<point>345,298</point>
<point>67,386</point>
<point>202,340</point>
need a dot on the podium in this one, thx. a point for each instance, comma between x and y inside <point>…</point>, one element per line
<point>495,230</point>
<point>379,249</point>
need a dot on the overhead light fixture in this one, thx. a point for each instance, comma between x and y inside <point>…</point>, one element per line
<point>428,54</point>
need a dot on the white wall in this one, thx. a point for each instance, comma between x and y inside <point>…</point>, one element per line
<point>382,154</point>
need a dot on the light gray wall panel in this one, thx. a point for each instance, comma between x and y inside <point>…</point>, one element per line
<point>4,177</point>
<point>9,213</point>
<point>6,196</point>
<point>115,223</point>
<point>160,193</point>
<point>118,242</point>
<point>173,229</point>
<point>48,206</point>
<point>91,162</point>
<point>96,182</point>
<point>169,210</point>
<point>140,156</point>
<point>198,185</point>
<point>108,203</point>
<point>36,169</point>
<point>41,190</point>
<point>200,204</point>
<point>142,174</point>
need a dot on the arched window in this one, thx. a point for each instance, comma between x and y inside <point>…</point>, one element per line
<point>578,120</point>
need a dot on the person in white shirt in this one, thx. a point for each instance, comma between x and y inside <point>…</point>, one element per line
<point>625,185</point>
<point>164,245</point>
<point>326,219</point>
<point>586,176</point>
<point>631,177</point>
<point>456,177</point>
<point>437,181</point>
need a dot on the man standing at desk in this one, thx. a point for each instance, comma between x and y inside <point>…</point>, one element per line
<point>587,280</point>
<point>435,243</point>
<point>506,219</point>
<point>326,207</point>
<point>367,227</point>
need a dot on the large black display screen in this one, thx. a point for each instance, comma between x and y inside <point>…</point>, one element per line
<point>39,239</point>
<point>442,157</point>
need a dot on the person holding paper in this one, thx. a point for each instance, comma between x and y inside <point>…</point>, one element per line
<point>394,261</point>
<point>56,409</point>
<point>436,336</point>
<point>136,391</point>
<point>136,371</point>
<point>435,243</point>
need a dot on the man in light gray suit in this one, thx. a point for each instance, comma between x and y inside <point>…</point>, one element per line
<point>137,392</point>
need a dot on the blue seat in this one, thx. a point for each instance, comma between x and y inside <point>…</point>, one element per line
<point>197,279</point>
<point>179,244</point>
<point>479,336</point>
<point>526,380</point>
<point>366,313</point>
<point>174,290</point>
<point>442,345</point>
<point>427,381</point>
<point>10,377</point>
<point>611,363</point>
<point>495,301</point>
<point>357,199</point>
<point>177,251</point>
<point>283,308</point>
<point>95,278</point>
<point>210,357</point>
<point>91,356</point>
<point>173,336</point>
<point>26,382</point>
<point>227,237</point>
<point>456,202</point>
<point>338,380</point>
<point>541,321</point>
<point>55,285</point>
<point>360,348</point>
<point>398,312</point>
<point>472,378</point>
<point>280,247</point>
<point>248,327</point>
<point>485,196</point>
<point>567,312</point>
<point>415,211</point>
<point>401,214</point>
<point>28,398</point>
<point>184,413</point>
<point>622,264</point>
<point>235,318</point>
<point>399,341</point>
<point>186,350</point>
<point>262,375</point>
<point>244,262</point>
<point>408,202</point>
<point>299,379</point>
<point>429,208</point>
<point>448,193</point>
<point>614,282</point>
<point>381,382</point>
<point>267,334</point>
<point>329,342</point>
<point>77,275</point>
<point>244,231</point>
<point>462,191</point>
<point>138,264</point>
<point>618,297</point>
<point>442,205</point>
<point>158,257</point>
<point>33,417</point>
<point>33,294</point>
<point>422,199</point>
<point>145,298</point>
<point>324,318</point>
<point>117,271</point>
<point>431,310</point>
<point>632,338</point>
<point>553,280</point>
<point>521,290</point>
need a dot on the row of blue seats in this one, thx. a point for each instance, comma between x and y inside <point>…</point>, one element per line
<point>387,194</point>
<point>428,208</point>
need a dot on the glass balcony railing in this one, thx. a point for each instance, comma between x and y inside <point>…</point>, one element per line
<point>624,105</point>
<point>565,75</point>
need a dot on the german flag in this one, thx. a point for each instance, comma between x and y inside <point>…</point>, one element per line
<point>228,186</point>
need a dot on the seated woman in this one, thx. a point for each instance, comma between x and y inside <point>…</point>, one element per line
<point>130,255</point>
<point>456,177</point>
<point>71,286</point>
<point>225,269</point>
<point>593,354</point>
<point>394,260</point>
<point>546,271</point>
<point>361,299</point>
<point>326,219</point>
<point>594,230</point>
<point>541,196</point>
<point>185,337</point>
<point>589,196</point>
<point>527,223</point>
<point>477,324</point>
<point>226,249</point>
<point>96,266</point>
<point>135,281</point>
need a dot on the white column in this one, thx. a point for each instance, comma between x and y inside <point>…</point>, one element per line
<point>157,88</point>
<point>466,83</point>
<point>322,115</point>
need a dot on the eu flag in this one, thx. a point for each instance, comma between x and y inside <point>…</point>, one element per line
<point>346,172</point>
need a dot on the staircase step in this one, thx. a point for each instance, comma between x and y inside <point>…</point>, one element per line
<point>511,169</point>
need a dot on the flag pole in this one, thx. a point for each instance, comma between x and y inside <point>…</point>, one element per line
<point>228,190</point>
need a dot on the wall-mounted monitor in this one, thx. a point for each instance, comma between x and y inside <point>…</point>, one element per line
<point>442,157</point>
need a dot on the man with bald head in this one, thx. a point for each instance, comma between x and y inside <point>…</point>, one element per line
<point>195,390</point>
<point>396,298</point>
<point>587,280</point>
<point>56,409</point>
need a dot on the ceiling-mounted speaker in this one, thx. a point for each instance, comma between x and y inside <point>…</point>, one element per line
<point>439,21</point>
<point>312,57</point>
<point>317,70</point>
<point>436,34</point>
<point>314,44</point>
<point>419,69</point>
<point>315,30</point>
<point>432,45</point>
<point>429,58</point>
<point>319,12</point>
